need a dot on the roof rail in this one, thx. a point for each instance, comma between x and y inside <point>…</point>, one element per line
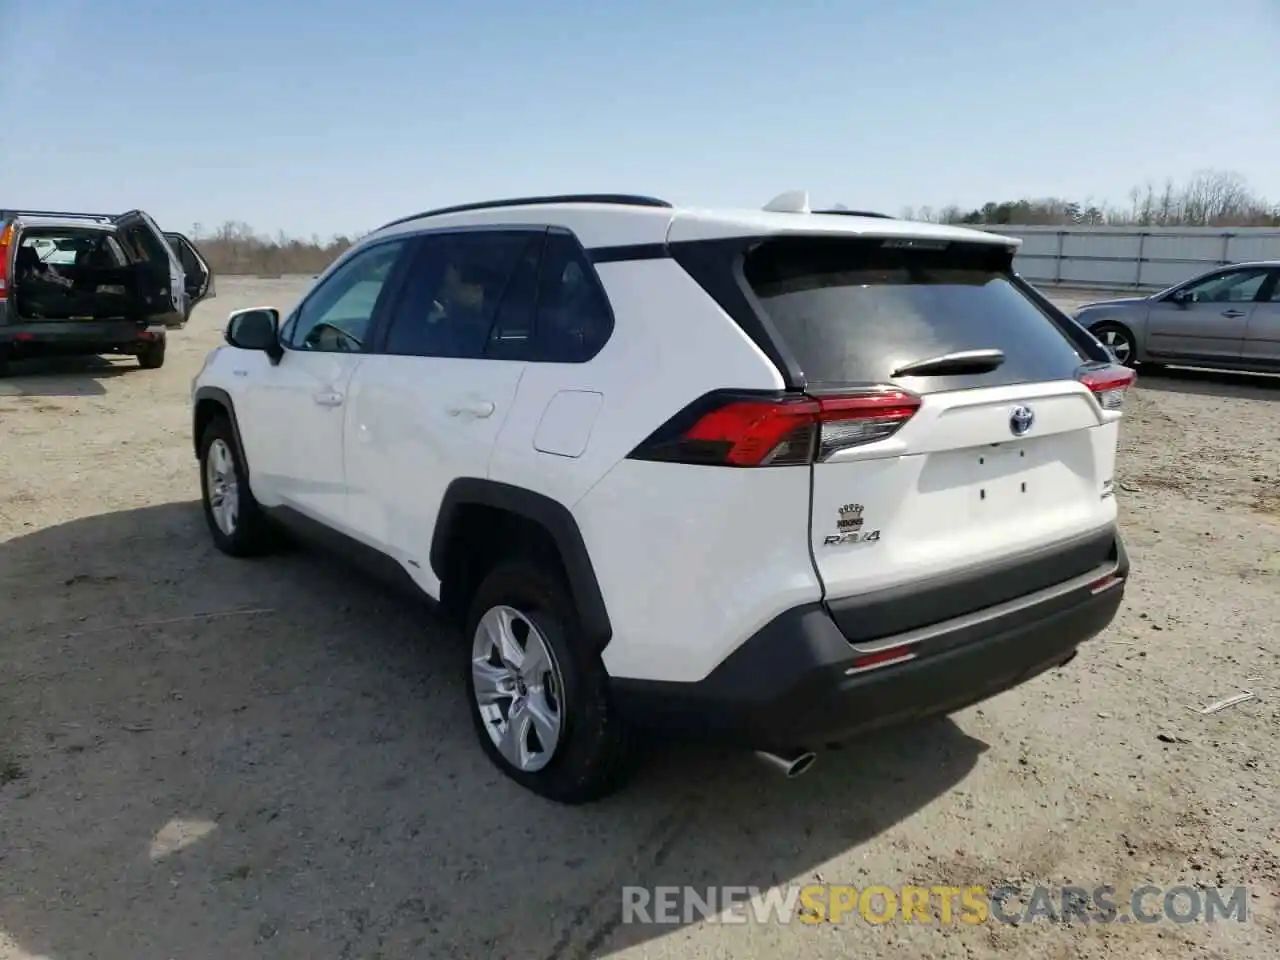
<point>857,213</point>
<point>55,213</point>
<point>617,199</point>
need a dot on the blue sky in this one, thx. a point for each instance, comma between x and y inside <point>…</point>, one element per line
<point>325,117</point>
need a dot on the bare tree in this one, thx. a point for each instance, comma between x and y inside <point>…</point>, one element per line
<point>234,248</point>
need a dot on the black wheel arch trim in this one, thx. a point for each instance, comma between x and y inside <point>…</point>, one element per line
<point>553,517</point>
<point>1111,322</point>
<point>223,399</point>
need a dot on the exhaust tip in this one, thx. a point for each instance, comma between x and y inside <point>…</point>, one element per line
<point>801,764</point>
<point>791,764</point>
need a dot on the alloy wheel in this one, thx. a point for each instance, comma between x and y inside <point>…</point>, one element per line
<point>223,486</point>
<point>518,688</point>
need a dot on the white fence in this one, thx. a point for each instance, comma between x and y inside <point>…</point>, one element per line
<point>1134,257</point>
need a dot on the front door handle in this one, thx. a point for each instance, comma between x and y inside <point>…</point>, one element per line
<point>1233,313</point>
<point>471,408</point>
<point>328,398</point>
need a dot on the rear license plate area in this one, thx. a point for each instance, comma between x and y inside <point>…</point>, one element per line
<point>1006,479</point>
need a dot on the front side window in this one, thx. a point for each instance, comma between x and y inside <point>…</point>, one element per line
<point>336,317</point>
<point>1235,286</point>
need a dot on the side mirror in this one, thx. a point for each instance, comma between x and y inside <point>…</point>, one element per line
<point>256,328</point>
<point>1183,297</point>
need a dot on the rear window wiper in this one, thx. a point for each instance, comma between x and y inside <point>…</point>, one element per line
<point>962,361</point>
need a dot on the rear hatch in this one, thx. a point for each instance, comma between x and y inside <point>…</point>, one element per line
<point>162,279</point>
<point>966,431</point>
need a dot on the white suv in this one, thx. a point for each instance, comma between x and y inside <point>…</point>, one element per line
<point>775,477</point>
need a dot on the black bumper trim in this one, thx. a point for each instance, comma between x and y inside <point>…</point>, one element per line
<point>787,686</point>
<point>894,610</point>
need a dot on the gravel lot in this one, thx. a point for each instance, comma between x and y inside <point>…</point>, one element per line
<point>180,778</point>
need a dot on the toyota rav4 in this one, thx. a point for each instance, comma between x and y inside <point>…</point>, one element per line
<point>774,477</point>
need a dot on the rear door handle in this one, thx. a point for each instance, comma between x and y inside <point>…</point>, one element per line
<point>1233,313</point>
<point>328,398</point>
<point>472,408</point>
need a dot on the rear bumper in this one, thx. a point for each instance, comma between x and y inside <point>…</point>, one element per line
<point>799,682</point>
<point>78,336</point>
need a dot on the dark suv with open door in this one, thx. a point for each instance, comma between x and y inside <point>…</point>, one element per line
<point>75,283</point>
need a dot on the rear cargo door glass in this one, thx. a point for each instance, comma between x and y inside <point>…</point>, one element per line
<point>853,310</point>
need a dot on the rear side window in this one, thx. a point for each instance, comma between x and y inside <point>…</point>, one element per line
<point>456,290</point>
<point>852,311</point>
<point>511,332</point>
<point>185,254</point>
<point>574,317</point>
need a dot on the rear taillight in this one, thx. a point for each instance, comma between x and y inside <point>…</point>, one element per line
<point>6,247</point>
<point>855,420</point>
<point>736,430</point>
<point>1109,384</point>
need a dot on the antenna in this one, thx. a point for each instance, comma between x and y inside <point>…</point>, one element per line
<point>794,201</point>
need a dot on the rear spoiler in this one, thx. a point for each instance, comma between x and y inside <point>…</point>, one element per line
<point>841,212</point>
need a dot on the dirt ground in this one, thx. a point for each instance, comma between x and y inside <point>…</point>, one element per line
<point>201,757</point>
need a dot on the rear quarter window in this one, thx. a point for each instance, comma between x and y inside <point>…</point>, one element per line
<point>851,311</point>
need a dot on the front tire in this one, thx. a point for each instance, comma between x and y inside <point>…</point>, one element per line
<point>538,694</point>
<point>1119,339</point>
<point>236,522</point>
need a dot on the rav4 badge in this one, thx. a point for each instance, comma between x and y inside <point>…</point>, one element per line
<point>849,525</point>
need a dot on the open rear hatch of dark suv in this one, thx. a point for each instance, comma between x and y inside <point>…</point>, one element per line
<point>81,268</point>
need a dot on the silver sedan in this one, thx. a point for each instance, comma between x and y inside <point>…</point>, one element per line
<point>1228,318</point>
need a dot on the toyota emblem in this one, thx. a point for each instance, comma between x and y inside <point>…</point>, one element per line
<point>1020,420</point>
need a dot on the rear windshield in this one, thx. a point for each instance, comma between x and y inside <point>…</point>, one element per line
<point>68,247</point>
<point>855,310</point>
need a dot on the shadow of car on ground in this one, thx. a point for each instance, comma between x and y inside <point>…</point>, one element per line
<point>68,376</point>
<point>201,755</point>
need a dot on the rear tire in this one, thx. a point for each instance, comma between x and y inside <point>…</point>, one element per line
<point>151,357</point>
<point>526,655</point>
<point>236,521</point>
<point>5,356</point>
